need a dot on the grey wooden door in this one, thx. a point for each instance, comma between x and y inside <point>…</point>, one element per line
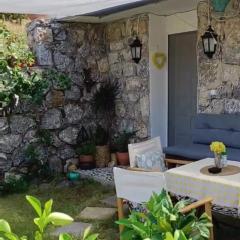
<point>182,90</point>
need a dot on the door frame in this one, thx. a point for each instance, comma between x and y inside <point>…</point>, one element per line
<point>164,26</point>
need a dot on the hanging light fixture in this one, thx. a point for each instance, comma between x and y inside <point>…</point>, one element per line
<point>209,38</point>
<point>136,50</point>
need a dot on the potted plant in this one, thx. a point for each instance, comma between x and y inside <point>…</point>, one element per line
<point>102,149</point>
<point>86,154</point>
<point>121,145</point>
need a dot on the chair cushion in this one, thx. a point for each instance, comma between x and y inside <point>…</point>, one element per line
<point>151,161</point>
<point>199,151</point>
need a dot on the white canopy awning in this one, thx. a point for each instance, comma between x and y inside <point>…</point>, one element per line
<point>62,8</point>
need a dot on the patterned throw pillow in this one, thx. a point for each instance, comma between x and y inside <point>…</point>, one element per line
<point>151,161</point>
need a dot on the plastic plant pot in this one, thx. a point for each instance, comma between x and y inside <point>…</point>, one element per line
<point>220,5</point>
<point>73,176</point>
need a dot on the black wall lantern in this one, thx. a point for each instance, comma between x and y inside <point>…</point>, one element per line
<point>136,50</point>
<point>209,40</point>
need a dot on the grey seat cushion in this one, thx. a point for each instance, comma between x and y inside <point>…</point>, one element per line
<point>199,151</point>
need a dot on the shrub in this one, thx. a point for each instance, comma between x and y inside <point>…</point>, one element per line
<point>164,221</point>
<point>15,185</point>
<point>122,141</point>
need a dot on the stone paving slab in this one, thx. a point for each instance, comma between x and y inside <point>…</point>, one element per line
<point>76,229</point>
<point>110,201</point>
<point>97,213</point>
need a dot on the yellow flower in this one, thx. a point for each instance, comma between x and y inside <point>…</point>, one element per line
<point>218,147</point>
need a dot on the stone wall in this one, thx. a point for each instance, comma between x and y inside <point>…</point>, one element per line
<point>70,48</point>
<point>221,76</point>
<point>133,106</point>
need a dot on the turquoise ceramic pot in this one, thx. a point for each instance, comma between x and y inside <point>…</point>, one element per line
<point>73,176</point>
<point>220,5</point>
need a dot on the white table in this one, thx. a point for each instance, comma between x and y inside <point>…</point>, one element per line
<point>188,181</point>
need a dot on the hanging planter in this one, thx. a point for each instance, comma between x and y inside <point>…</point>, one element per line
<point>220,5</point>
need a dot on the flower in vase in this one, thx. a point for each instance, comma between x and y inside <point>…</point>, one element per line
<point>218,148</point>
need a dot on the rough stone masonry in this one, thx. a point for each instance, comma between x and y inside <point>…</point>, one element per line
<point>221,76</point>
<point>69,48</point>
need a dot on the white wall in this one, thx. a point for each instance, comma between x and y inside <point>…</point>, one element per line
<point>159,29</point>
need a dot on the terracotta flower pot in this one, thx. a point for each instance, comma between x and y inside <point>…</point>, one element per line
<point>86,162</point>
<point>123,158</point>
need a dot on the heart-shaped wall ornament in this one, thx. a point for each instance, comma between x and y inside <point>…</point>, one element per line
<point>159,60</point>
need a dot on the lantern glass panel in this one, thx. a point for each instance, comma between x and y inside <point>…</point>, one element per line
<point>212,44</point>
<point>133,52</point>
<point>206,45</point>
<point>138,52</point>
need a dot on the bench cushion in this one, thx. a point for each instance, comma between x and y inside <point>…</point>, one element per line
<point>212,127</point>
<point>207,136</point>
<point>199,151</point>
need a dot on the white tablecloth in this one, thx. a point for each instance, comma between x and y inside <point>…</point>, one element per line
<point>188,181</point>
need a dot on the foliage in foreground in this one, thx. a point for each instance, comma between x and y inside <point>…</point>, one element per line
<point>164,221</point>
<point>45,217</point>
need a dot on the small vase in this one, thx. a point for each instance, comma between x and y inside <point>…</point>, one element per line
<point>218,161</point>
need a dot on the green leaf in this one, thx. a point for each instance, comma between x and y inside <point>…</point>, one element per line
<point>124,222</point>
<point>38,235</point>
<point>92,237</point>
<point>140,228</point>
<point>4,226</point>
<point>48,207</point>
<point>11,236</point>
<point>59,219</point>
<point>179,235</point>
<point>169,236</point>
<point>86,232</point>
<point>65,236</point>
<point>36,204</point>
<point>23,238</point>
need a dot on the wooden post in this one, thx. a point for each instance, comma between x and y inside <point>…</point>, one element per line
<point>208,210</point>
<point>120,212</point>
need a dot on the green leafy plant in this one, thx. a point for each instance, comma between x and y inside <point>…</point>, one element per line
<point>18,80</point>
<point>45,217</point>
<point>122,140</point>
<point>59,80</point>
<point>31,154</point>
<point>86,149</point>
<point>44,136</point>
<point>164,221</point>
<point>101,136</point>
<point>14,185</point>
